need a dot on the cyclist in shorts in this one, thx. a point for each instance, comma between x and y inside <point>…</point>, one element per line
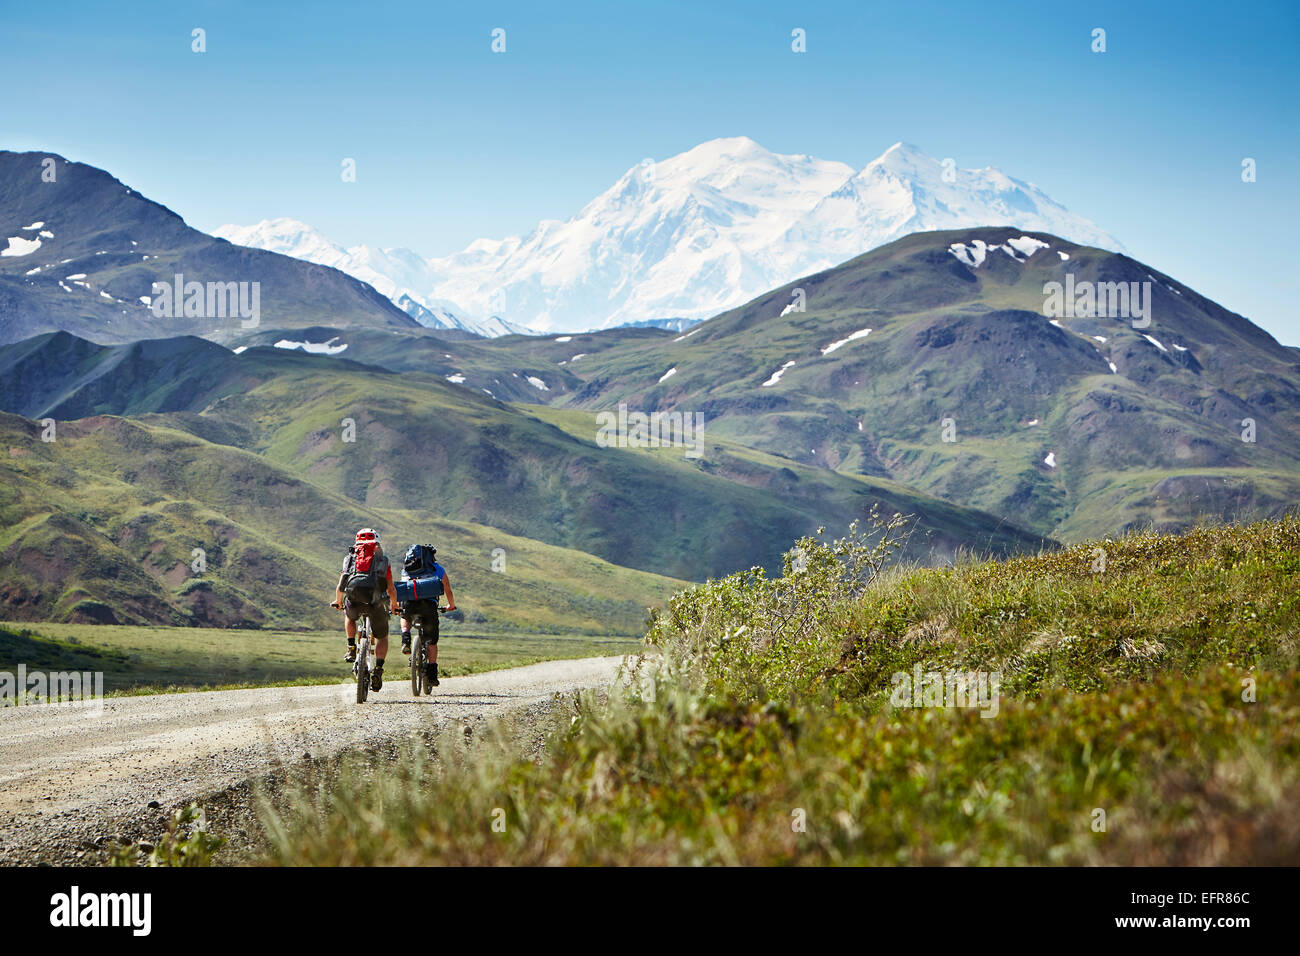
<point>419,565</point>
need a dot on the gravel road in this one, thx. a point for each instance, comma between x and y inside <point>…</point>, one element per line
<point>68,777</point>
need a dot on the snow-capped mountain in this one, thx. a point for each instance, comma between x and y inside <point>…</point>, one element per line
<point>905,191</point>
<point>396,273</point>
<point>688,236</point>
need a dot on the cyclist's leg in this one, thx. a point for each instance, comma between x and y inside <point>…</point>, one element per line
<point>379,628</point>
<point>430,624</point>
<point>431,637</point>
<point>350,626</point>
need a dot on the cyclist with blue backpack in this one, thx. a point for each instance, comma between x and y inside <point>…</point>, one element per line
<point>424,580</point>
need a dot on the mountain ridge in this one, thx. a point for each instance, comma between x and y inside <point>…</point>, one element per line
<point>90,250</point>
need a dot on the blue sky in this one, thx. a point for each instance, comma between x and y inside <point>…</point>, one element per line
<point>453,142</point>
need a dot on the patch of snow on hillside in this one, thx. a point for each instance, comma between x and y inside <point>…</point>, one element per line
<point>536,382</point>
<point>692,332</point>
<point>973,255</point>
<point>1181,348</point>
<point>1155,342</point>
<point>565,338</point>
<point>1113,368</point>
<point>776,376</point>
<point>146,299</point>
<point>668,374</point>
<point>578,356</point>
<point>1100,338</point>
<point>34,226</point>
<point>859,334</point>
<point>456,379</point>
<point>238,351</point>
<point>1025,245</point>
<point>1032,421</point>
<point>18,246</point>
<point>1064,256</point>
<point>45,234</point>
<point>315,348</point>
<point>1050,460</point>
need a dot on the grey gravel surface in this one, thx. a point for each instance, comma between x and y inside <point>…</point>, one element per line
<point>73,785</point>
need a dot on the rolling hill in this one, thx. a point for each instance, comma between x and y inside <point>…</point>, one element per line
<point>100,526</point>
<point>1070,426</point>
<point>248,453</point>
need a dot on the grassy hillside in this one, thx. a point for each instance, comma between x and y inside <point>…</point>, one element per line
<point>973,344</point>
<point>941,531</point>
<point>471,458</point>
<point>426,445</point>
<point>501,368</point>
<point>100,526</point>
<point>1145,715</point>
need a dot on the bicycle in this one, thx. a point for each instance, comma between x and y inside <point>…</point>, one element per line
<point>365,647</point>
<point>419,679</point>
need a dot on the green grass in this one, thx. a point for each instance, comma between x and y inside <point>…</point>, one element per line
<point>138,660</point>
<point>1161,692</point>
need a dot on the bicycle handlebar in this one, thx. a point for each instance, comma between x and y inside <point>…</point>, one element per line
<point>441,609</point>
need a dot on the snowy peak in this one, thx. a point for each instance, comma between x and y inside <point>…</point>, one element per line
<point>687,236</point>
<point>396,273</point>
<point>905,191</point>
<point>903,158</point>
<point>288,237</point>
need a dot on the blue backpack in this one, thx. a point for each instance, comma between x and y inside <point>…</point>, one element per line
<point>420,580</point>
<point>418,562</point>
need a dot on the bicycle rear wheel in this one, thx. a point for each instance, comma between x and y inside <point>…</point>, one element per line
<point>363,664</point>
<point>417,661</point>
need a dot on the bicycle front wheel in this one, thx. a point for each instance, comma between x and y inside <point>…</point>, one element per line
<point>417,664</point>
<point>363,665</point>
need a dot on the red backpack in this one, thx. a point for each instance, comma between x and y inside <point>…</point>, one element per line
<point>369,575</point>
